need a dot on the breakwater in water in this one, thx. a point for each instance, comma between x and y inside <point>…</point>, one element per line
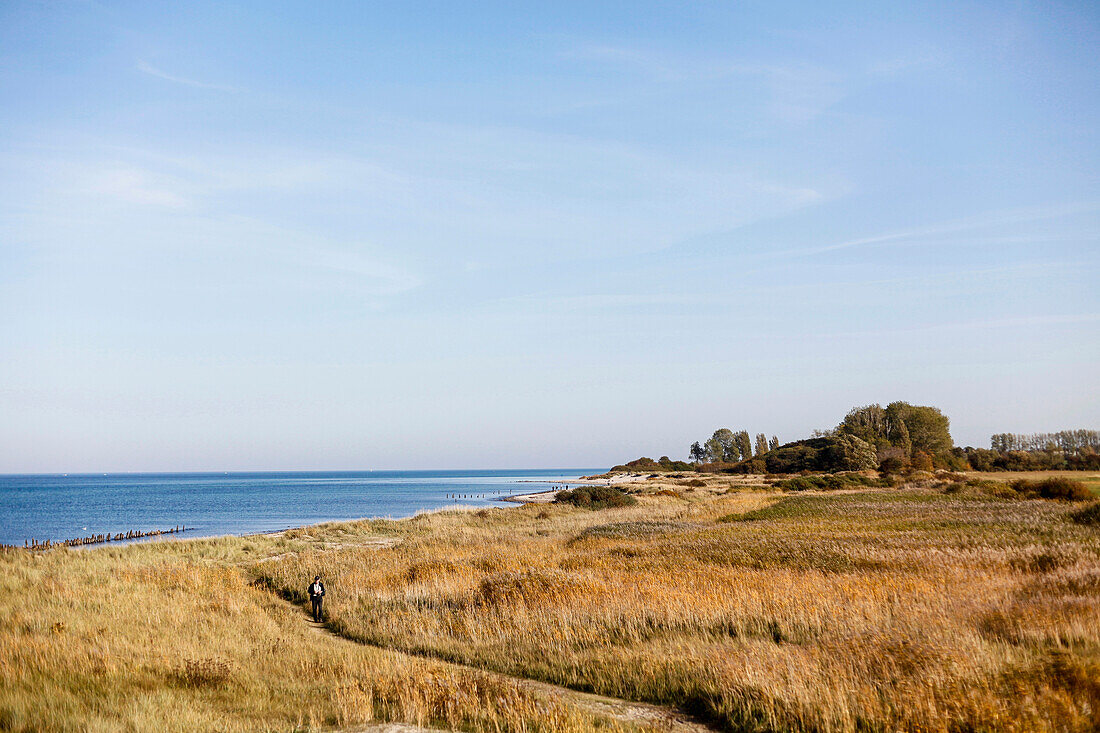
<point>53,507</point>
<point>95,539</point>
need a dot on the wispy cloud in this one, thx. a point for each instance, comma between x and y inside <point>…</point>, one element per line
<point>134,186</point>
<point>648,63</point>
<point>892,67</point>
<point>795,92</point>
<point>1022,215</point>
<point>1023,322</point>
<point>377,277</point>
<point>147,68</point>
<point>841,289</point>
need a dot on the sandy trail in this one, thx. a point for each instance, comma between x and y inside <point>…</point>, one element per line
<point>639,713</point>
<point>655,716</point>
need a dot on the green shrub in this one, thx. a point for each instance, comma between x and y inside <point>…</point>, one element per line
<point>642,465</point>
<point>594,497</point>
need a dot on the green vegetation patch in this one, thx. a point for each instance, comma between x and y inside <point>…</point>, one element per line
<point>643,464</point>
<point>831,482</point>
<point>628,530</point>
<point>595,497</point>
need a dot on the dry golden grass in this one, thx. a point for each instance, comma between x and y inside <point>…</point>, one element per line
<point>880,610</point>
<point>176,636</point>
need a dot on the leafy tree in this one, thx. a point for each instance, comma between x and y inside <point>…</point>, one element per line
<point>867,423</point>
<point>713,450</point>
<point>928,427</point>
<point>900,425</point>
<point>899,437</point>
<point>761,444</point>
<point>773,443</point>
<point>744,445</point>
<point>722,446</point>
<point>697,452</point>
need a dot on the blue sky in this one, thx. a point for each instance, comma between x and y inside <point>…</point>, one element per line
<point>418,235</point>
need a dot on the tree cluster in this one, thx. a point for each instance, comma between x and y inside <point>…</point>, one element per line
<point>726,446</point>
<point>985,459</point>
<point>901,435</point>
<point>898,438</point>
<point>910,428</point>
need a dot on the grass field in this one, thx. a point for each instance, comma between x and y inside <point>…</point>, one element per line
<point>876,610</point>
<point>177,636</point>
<point>924,608</point>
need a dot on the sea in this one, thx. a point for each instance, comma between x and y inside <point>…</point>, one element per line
<point>58,507</point>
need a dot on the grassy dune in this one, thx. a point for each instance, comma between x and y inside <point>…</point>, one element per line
<point>909,609</point>
<point>176,636</point>
<point>917,608</point>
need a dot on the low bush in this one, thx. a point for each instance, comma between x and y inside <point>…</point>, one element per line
<point>594,497</point>
<point>749,465</point>
<point>1088,514</point>
<point>648,464</point>
<point>1056,487</point>
<point>201,672</point>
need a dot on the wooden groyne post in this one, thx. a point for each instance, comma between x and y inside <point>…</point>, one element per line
<point>95,539</point>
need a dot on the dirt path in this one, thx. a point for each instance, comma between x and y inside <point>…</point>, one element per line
<point>661,718</point>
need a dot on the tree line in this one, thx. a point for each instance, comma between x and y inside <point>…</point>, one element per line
<point>1072,442</point>
<point>896,438</point>
<point>900,432</point>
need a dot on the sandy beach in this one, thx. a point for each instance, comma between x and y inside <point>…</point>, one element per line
<point>546,497</point>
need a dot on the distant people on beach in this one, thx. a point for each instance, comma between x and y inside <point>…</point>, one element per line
<point>317,596</point>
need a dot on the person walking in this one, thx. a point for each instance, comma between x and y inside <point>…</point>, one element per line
<point>317,596</point>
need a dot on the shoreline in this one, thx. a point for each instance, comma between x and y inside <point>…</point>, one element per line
<point>536,497</point>
<point>224,505</point>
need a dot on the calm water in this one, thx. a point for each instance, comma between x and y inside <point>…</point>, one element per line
<point>59,507</point>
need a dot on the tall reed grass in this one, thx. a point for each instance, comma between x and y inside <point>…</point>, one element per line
<point>879,610</point>
<point>176,636</point>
